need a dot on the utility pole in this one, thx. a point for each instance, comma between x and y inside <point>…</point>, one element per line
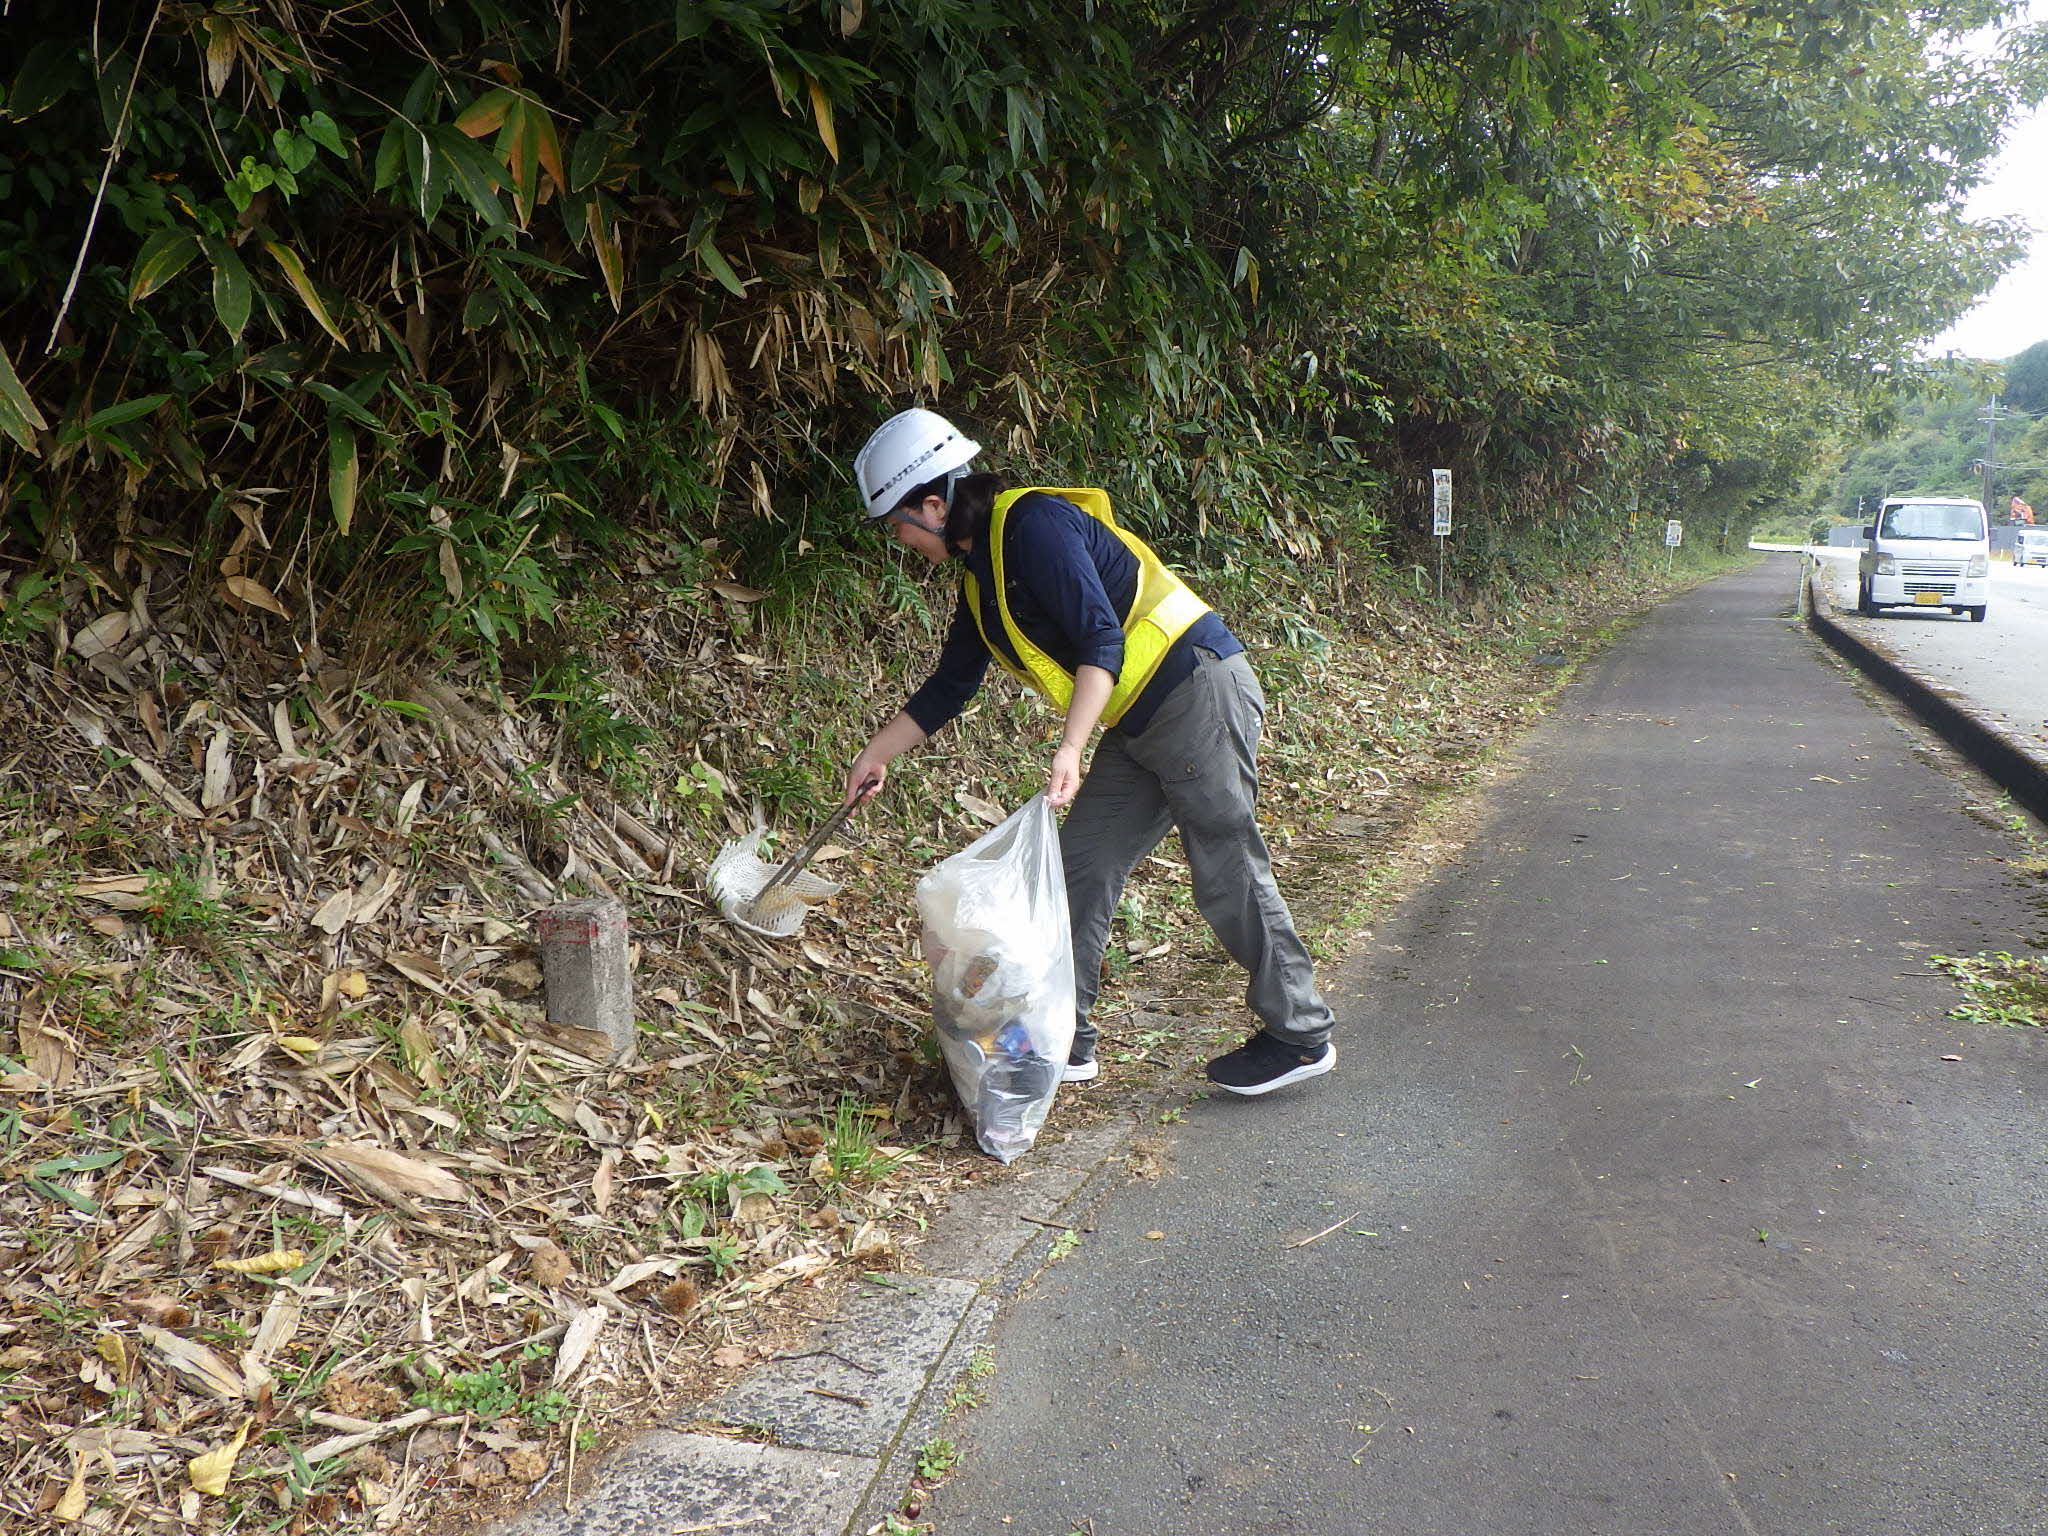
<point>1990,420</point>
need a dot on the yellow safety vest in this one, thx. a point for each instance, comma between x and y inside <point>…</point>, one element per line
<point>1163,609</point>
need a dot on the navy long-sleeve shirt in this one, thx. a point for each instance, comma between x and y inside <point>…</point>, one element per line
<point>1069,579</point>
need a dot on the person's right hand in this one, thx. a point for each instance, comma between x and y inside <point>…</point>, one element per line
<point>864,780</point>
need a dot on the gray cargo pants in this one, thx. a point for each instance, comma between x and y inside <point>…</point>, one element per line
<point>1193,767</point>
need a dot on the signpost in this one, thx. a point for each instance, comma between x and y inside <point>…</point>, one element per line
<point>1440,524</point>
<point>1674,535</point>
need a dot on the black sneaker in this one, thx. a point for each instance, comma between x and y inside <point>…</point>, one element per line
<point>1262,1064</point>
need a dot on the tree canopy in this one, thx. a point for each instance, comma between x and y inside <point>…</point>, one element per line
<point>409,306</point>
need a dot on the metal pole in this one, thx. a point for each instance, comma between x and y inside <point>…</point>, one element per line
<point>1990,450</point>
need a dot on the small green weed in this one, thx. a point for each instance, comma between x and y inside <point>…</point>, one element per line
<point>700,787</point>
<point>494,1392</point>
<point>972,1388</point>
<point>2000,988</point>
<point>1063,1245</point>
<point>490,1393</point>
<point>179,909</point>
<point>594,730</point>
<point>723,1250</point>
<point>936,1459</point>
<point>852,1146</point>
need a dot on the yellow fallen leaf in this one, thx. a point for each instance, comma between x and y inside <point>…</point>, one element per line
<point>354,984</point>
<point>210,1473</point>
<point>276,1262</point>
<point>113,1349</point>
<point>301,1045</point>
<point>71,1507</point>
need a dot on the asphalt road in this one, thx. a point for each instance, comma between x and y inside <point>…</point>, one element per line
<point>1647,1200</point>
<point>1996,664</point>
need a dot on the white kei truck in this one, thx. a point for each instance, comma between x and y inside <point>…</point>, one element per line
<point>1926,552</point>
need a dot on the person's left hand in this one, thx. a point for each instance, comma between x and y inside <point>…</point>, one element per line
<point>1064,782</point>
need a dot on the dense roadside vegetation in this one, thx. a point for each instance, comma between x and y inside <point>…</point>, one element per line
<point>413,310</point>
<point>424,496</point>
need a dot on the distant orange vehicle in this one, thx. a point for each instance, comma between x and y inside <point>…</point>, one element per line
<point>2021,512</point>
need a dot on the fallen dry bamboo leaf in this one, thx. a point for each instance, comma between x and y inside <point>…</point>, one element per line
<point>333,913</point>
<point>256,595</point>
<point>146,771</point>
<point>103,634</point>
<point>280,1323</point>
<point>210,1473</point>
<point>384,1174</point>
<point>341,1445</point>
<point>275,1191</point>
<point>106,887</point>
<point>583,1330</point>
<point>633,1274</point>
<point>218,787</point>
<point>376,895</point>
<point>801,1267</point>
<point>48,1054</point>
<point>71,1507</point>
<point>423,969</point>
<point>196,1363</point>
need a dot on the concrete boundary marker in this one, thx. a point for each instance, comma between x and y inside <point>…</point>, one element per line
<point>1986,743</point>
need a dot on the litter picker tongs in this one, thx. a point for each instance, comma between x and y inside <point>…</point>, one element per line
<point>794,865</point>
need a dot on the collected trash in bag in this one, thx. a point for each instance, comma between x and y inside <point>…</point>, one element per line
<point>1002,959</point>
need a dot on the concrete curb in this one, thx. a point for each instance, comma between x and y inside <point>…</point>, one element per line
<point>824,1441</point>
<point>1995,750</point>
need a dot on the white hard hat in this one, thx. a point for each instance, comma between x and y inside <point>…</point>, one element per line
<point>905,451</point>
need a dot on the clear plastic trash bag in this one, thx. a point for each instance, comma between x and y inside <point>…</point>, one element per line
<point>1002,959</point>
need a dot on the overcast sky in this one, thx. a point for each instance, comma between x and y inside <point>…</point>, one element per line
<point>2014,315</point>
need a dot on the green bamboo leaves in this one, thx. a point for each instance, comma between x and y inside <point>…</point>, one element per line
<point>167,252</point>
<point>233,293</point>
<point>19,418</point>
<point>527,145</point>
<point>344,474</point>
<point>295,273</point>
<point>164,255</point>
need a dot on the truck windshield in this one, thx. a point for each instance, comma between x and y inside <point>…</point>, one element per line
<point>1931,520</point>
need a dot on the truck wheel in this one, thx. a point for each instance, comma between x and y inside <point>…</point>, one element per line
<point>1864,605</point>
<point>1976,614</point>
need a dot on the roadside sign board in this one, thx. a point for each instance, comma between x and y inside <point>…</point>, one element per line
<point>1441,502</point>
<point>1674,533</point>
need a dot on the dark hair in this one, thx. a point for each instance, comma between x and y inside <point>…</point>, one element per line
<point>967,514</point>
<point>967,509</point>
